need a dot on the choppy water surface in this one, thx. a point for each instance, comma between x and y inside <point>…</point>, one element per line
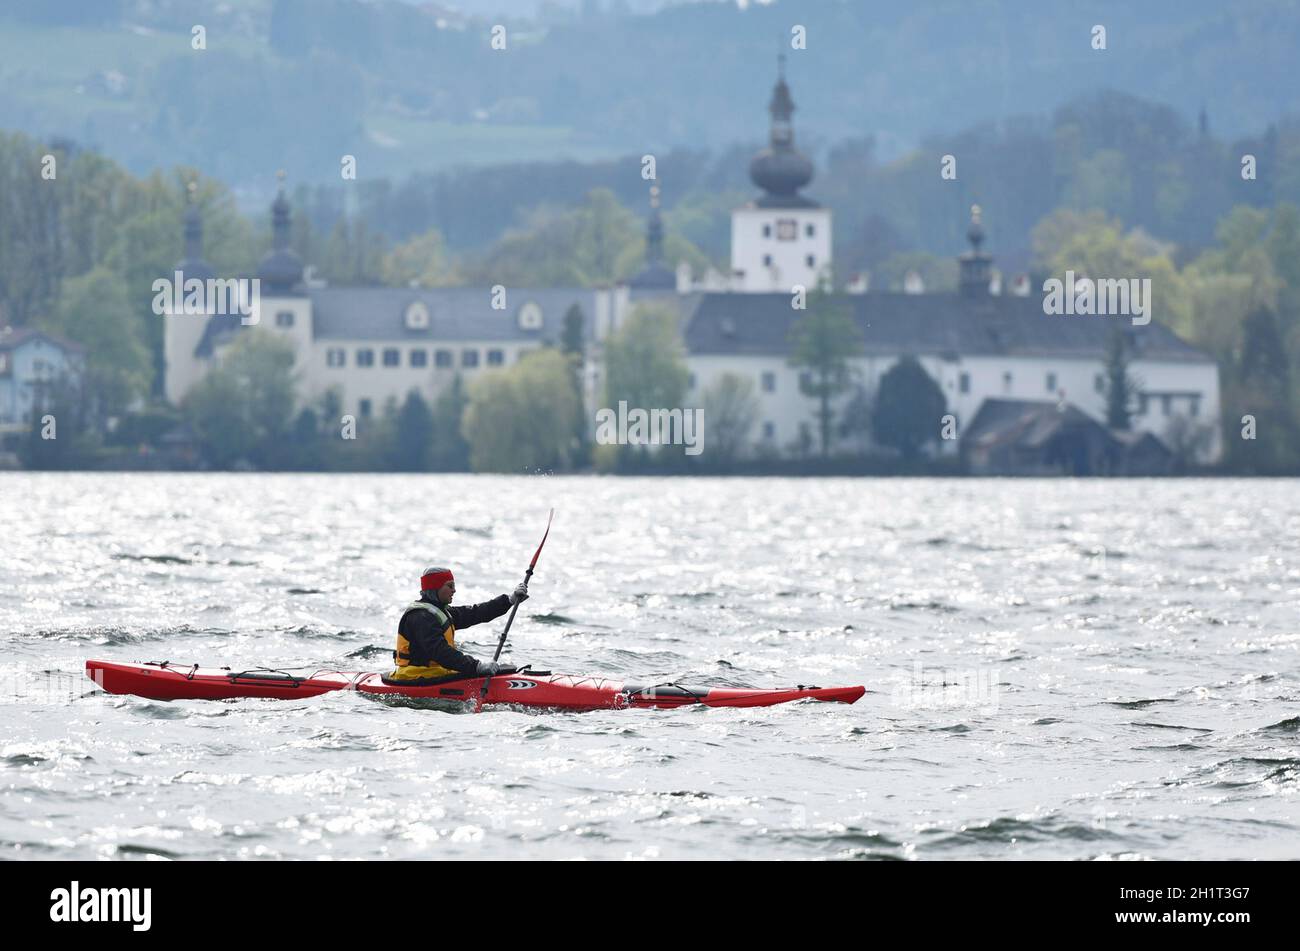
<point>1059,669</point>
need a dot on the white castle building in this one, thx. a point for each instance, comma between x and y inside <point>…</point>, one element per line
<point>1000,361</point>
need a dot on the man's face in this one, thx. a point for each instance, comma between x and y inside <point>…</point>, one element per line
<point>447,592</point>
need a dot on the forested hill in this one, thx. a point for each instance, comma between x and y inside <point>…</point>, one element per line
<point>414,88</point>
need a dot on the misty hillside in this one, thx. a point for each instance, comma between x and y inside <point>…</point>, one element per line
<point>416,87</point>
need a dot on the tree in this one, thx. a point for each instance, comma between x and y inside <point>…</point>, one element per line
<point>730,410</point>
<point>411,435</point>
<point>574,346</point>
<point>94,311</point>
<point>583,246</point>
<point>450,451</point>
<point>421,261</point>
<point>1121,387</point>
<point>241,410</point>
<point>823,341</point>
<point>1263,363</point>
<point>519,419</point>
<point>645,360</point>
<point>909,408</point>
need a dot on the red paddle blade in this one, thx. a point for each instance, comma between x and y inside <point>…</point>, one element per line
<point>533,564</point>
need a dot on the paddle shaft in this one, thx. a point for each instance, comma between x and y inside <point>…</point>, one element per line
<point>511,620</point>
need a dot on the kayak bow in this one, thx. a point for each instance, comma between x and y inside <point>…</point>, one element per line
<point>167,681</point>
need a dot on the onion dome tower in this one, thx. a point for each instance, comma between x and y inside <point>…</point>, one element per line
<point>781,239</point>
<point>280,270</point>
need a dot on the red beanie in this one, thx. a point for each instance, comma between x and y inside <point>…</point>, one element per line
<point>434,578</point>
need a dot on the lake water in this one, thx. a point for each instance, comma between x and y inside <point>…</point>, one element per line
<point>1058,669</point>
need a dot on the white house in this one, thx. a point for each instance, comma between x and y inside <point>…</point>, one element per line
<point>32,365</point>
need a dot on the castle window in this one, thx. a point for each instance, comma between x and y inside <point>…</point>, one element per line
<point>419,358</point>
<point>284,318</point>
<point>469,358</point>
<point>1099,383</point>
<point>787,229</point>
<point>392,357</point>
<point>1194,406</point>
<point>336,357</point>
<point>767,231</point>
<point>1144,403</point>
<point>767,260</point>
<point>812,261</point>
<point>495,358</point>
<point>1006,382</point>
<point>769,381</point>
<point>1051,382</point>
<point>769,430</point>
<point>963,383</point>
<point>365,357</point>
<point>1166,403</point>
<point>363,408</point>
<point>442,358</point>
<point>809,231</point>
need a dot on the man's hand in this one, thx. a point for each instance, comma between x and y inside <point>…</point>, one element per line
<point>491,668</point>
<point>520,593</point>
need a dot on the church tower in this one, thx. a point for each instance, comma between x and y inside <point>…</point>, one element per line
<point>781,238</point>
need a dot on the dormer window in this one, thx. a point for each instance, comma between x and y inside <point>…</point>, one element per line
<point>417,316</point>
<point>530,316</point>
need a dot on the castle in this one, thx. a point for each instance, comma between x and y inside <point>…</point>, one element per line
<point>1026,390</point>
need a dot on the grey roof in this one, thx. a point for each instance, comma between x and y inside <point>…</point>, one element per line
<point>937,324</point>
<point>655,276</point>
<point>455,313</point>
<point>11,338</point>
<point>218,327</point>
<point>1029,423</point>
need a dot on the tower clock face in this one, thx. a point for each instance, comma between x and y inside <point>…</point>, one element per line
<point>787,229</point>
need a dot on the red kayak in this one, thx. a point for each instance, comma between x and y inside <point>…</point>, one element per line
<point>527,688</point>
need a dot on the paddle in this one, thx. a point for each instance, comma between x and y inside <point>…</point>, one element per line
<point>511,620</point>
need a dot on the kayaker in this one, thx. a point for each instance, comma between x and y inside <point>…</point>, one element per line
<point>426,634</point>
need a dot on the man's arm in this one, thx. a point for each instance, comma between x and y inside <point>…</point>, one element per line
<point>472,614</point>
<point>444,655</point>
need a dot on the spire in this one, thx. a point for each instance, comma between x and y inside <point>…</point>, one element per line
<point>782,109</point>
<point>654,235</point>
<point>192,264</point>
<point>976,266</point>
<point>280,217</point>
<point>654,274</point>
<point>780,169</point>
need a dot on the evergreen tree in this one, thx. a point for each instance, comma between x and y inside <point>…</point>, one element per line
<point>1121,386</point>
<point>450,452</point>
<point>823,341</point>
<point>411,435</point>
<point>909,408</point>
